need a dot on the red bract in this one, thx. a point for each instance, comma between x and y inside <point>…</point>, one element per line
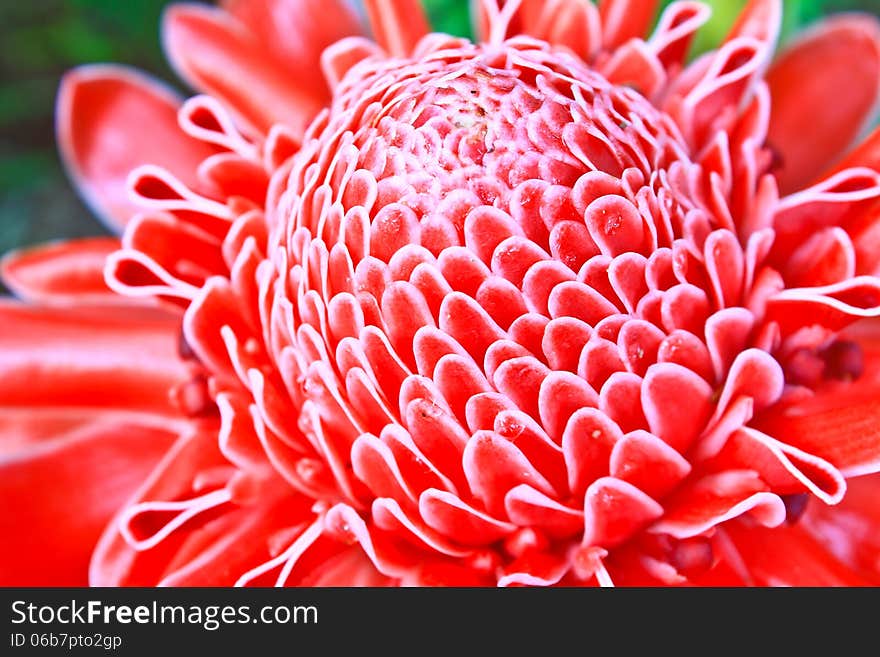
<point>557,307</point>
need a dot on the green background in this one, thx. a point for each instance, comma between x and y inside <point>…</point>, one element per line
<point>40,39</point>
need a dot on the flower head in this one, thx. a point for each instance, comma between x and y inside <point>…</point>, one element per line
<point>553,307</point>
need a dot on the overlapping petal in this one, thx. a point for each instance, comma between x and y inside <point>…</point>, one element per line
<point>522,312</point>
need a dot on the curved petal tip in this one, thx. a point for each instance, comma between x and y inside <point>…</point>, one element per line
<point>109,120</point>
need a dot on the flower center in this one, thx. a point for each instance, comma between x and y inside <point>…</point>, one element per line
<point>496,276</point>
<point>486,250</point>
<point>480,135</point>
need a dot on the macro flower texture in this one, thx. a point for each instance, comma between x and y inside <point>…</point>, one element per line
<point>558,306</point>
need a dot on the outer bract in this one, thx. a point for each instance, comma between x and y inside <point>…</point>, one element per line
<point>555,307</point>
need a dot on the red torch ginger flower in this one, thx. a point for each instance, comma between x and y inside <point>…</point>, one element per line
<point>554,307</point>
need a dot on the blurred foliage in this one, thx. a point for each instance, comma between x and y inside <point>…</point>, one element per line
<point>40,39</point>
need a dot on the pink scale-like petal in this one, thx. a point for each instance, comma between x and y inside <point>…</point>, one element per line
<point>439,436</point>
<point>714,499</point>
<point>785,468</point>
<point>392,229</point>
<point>485,228</point>
<point>463,319</point>
<point>639,343</point>
<point>345,316</point>
<point>529,437</point>
<point>415,469</point>
<point>725,421</point>
<point>665,385</point>
<point>494,465</point>
<point>462,270</point>
<point>594,273</point>
<point>725,265</point>
<point>430,345</point>
<point>685,307</point>
<point>539,569</point>
<point>482,409</point>
<point>539,282</point>
<point>587,444</point>
<point>459,379</point>
<point>563,341</point>
<point>418,387</point>
<point>687,350</point>
<point>385,365</point>
<point>578,300</point>
<point>529,507</point>
<point>502,300</point>
<point>599,359</point>
<point>363,395</point>
<point>501,352</point>
<point>388,515</point>
<point>754,374</point>
<point>615,225</point>
<point>390,557</point>
<point>431,283</point>
<point>374,464</point>
<point>513,257</point>
<point>449,515</point>
<point>831,306</point>
<point>727,332</point>
<point>571,244</point>
<point>521,379</point>
<point>839,58</point>
<point>648,463</point>
<point>237,438</point>
<point>562,394</point>
<point>339,423</point>
<point>626,274</point>
<point>614,510</point>
<point>620,397</point>
<point>405,311</point>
